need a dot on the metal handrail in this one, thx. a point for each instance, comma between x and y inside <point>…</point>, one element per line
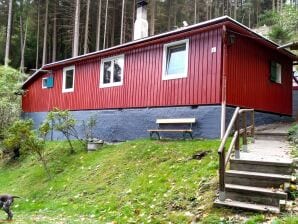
<point>235,143</point>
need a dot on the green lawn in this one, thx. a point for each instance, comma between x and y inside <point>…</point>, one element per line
<point>140,181</point>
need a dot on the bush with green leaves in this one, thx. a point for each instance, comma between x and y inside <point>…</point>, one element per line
<point>63,122</point>
<point>10,97</point>
<point>21,138</point>
<point>89,126</point>
<point>36,145</point>
<point>293,134</point>
<point>16,135</point>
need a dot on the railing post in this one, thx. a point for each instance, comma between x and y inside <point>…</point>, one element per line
<point>244,131</point>
<point>222,194</point>
<point>237,143</point>
<point>252,119</point>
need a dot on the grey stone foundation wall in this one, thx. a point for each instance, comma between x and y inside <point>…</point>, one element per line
<point>261,118</point>
<point>128,124</point>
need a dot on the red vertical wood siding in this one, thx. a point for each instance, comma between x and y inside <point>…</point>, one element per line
<point>248,78</point>
<point>143,85</point>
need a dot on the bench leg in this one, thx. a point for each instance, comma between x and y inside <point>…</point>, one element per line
<point>189,133</point>
<point>156,133</point>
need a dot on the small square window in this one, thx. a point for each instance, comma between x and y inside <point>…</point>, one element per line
<point>175,60</point>
<point>275,72</point>
<point>112,71</point>
<point>68,79</point>
<point>47,82</point>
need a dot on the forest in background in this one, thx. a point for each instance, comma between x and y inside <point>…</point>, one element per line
<point>44,31</point>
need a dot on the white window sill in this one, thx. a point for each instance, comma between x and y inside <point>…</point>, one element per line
<point>110,85</point>
<point>176,76</point>
<point>67,90</point>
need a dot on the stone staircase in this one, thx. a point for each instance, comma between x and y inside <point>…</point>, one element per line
<point>256,180</point>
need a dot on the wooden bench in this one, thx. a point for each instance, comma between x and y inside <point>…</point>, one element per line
<point>180,121</point>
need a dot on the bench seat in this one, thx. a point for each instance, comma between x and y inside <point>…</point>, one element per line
<point>170,130</point>
<point>176,121</point>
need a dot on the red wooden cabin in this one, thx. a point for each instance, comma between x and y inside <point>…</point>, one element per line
<point>188,72</point>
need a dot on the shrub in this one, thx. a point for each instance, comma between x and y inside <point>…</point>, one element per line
<point>61,121</point>
<point>10,102</point>
<point>20,137</point>
<point>16,135</point>
<point>293,133</point>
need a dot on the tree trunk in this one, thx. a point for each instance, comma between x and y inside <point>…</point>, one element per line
<point>152,17</point>
<point>87,28</point>
<point>122,21</point>
<point>23,45</point>
<point>249,17</point>
<point>21,38</point>
<point>106,23</point>
<point>76,36</point>
<point>54,41</point>
<point>235,10</point>
<point>37,35</point>
<point>113,25</point>
<point>195,12</point>
<point>207,11</point>
<point>8,34</point>
<point>273,5</point>
<point>169,14</point>
<point>133,18</point>
<point>98,26</point>
<point>45,34</point>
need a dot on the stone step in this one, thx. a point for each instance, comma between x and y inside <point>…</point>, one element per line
<point>247,206</point>
<point>256,179</point>
<point>280,167</point>
<point>266,196</point>
<point>271,136</point>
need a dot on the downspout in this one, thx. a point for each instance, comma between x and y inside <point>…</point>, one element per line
<point>224,81</point>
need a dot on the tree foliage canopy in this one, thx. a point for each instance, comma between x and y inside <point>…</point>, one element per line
<point>10,100</point>
<point>115,22</point>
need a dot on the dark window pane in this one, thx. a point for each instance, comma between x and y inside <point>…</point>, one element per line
<point>176,59</point>
<point>118,68</point>
<point>44,83</point>
<point>69,79</point>
<point>107,72</point>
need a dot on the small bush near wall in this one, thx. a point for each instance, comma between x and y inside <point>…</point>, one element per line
<point>293,134</point>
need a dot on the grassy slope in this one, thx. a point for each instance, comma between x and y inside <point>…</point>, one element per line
<point>135,182</point>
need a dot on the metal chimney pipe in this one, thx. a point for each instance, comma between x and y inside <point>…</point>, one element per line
<point>141,23</point>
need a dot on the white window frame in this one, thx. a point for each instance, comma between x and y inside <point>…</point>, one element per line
<point>64,90</point>
<point>112,84</point>
<point>42,86</point>
<point>165,76</point>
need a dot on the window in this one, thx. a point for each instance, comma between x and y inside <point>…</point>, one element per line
<point>275,72</point>
<point>175,60</point>
<point>44,83</point>
<point>47,82</point>
<point>112,71</point>
<point>68,79</point>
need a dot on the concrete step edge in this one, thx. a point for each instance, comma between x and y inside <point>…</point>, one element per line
<point>288,163</point>
<point>272,134</point>
<point>258,175</point>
